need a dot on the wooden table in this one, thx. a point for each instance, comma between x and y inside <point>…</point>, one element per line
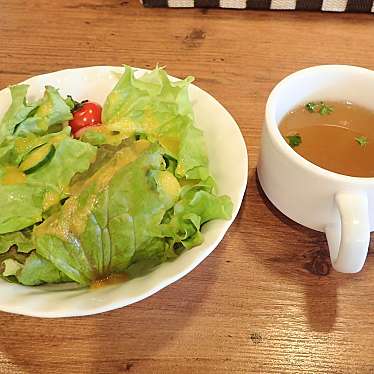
<point>266,300</point>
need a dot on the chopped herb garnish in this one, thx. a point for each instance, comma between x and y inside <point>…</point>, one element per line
<point>293,140</point>
<point>361,140</point>
<point>325,109</point>
<point>311,107</point>
<point>320,108</point>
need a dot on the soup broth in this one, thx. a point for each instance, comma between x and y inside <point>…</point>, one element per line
<point>337,136</point>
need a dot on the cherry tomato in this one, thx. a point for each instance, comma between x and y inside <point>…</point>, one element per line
<point>87,114</point>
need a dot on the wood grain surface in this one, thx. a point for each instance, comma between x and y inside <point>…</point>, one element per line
<point>266,300</point>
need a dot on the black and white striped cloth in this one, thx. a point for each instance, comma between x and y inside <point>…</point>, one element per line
<point>324,5</point>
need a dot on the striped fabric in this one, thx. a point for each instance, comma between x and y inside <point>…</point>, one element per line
<point>325,5</point>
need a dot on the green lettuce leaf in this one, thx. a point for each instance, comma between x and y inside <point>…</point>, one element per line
<point>197,205</point>
<point>20,239</point>
<point>158,109</point>
<point>51,110</point>
<point>17,112</point>
<point>10,267</point>
<point>71,157</point>
<point>34,271</point>
<point>38,270</point>
<point>133,193</point>
<point>23,200</point>
<point>115,215</point>
<point>21,206</point>
<point>116,221</point>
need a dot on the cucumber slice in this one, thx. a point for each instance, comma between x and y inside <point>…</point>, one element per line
<point>37,158</point>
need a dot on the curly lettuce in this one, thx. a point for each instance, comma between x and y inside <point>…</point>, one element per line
<point>124,198</point>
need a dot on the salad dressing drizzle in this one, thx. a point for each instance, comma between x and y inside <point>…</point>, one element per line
<point>13,175</point>
<point>71,221</point>
<point>109,280</point>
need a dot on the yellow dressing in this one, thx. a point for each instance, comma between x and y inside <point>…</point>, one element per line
<point>73,217</point>
<point>110,280</point>
<point>141,145</point>
<point>188,182</point>
<point>169,184</point>
<point>56,139</point>
<point>116,132</point>
<point>170,143</point>
<point>50,199</point>
<point>180,168</point>
<point>24,145</point>
<point>13,175</point>
<point>149,123</point>
<point>45,109</point>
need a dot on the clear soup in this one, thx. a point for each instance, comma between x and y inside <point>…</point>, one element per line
<point>337,136</point>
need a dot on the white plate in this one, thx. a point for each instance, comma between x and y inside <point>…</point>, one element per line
<point>228,164</point>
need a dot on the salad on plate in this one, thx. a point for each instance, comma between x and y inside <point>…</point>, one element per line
<point>90,194</point>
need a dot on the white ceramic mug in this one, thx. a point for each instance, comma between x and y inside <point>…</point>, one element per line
<point>339,205</point>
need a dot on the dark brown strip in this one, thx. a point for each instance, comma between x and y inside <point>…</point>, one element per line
<point>207,3</point>
<point>359,6</point>
<point>155,3</point>
<point>309,4</point>
<point>258,4</point>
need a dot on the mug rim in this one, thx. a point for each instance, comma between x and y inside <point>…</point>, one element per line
<point>277,138</point>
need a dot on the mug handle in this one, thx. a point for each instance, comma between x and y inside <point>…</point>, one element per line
<point>348,238</point>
